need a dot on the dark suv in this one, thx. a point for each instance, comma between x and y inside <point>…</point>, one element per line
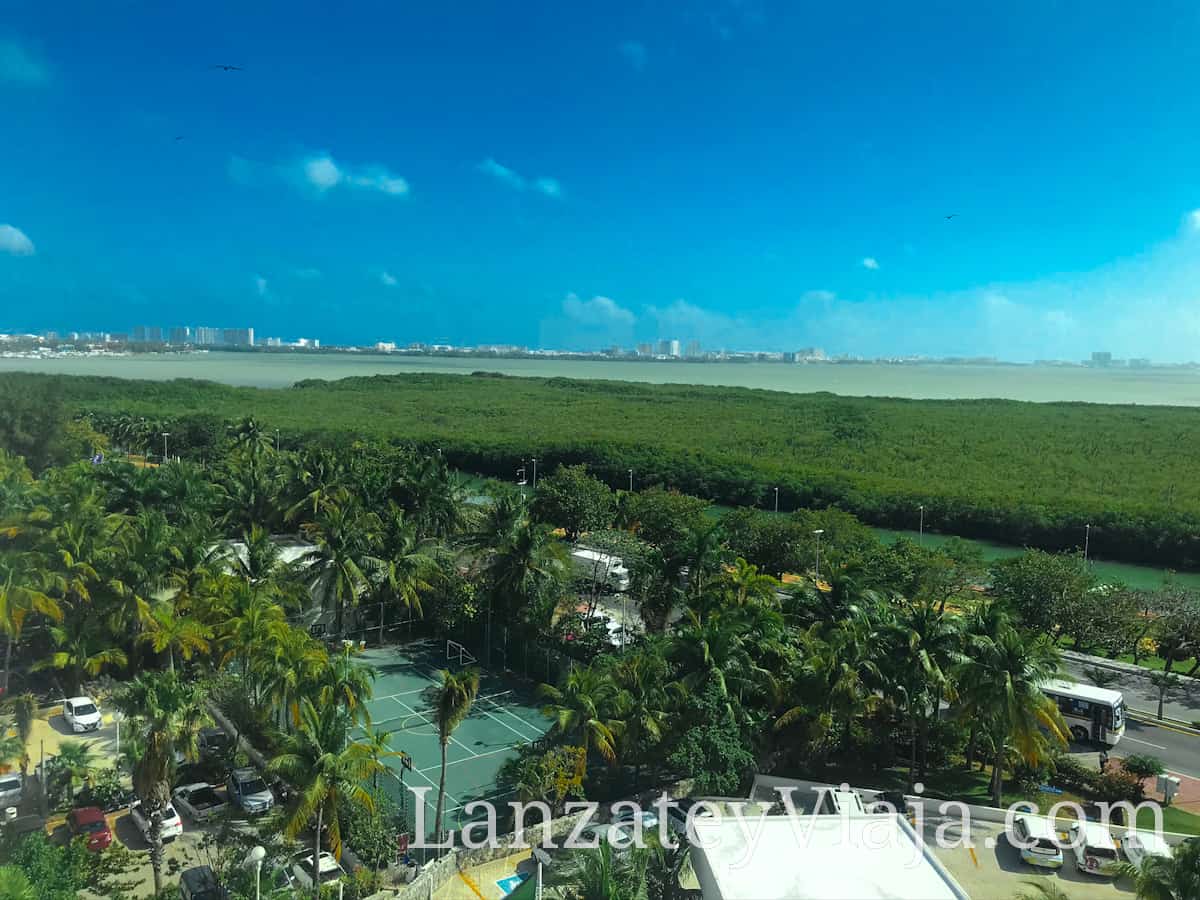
<point>201,883</point>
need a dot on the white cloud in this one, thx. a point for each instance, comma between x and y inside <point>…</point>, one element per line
<point>1193,220</point>
<point>870,262</point>
<point>15,242</point>
<point>543,184</point>
<point>324,173</point>
<point>599,311</point>
<point>18,65</point>
<point>634,53</point>
<point>387,279</point>
<point>260,285</point>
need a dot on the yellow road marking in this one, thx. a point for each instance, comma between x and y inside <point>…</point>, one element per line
<point>974,859</point>
<point>469,882</point>
<point>1164,725</point>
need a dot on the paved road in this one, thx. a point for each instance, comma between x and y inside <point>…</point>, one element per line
<point>1140,694</point>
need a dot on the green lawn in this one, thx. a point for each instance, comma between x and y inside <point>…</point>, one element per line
<point>1175,820</point>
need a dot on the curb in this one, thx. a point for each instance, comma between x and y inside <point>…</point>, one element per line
<point>1100,662</point>
<point>1153,719</point>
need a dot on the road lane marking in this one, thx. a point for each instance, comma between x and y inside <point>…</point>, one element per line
<point>1146,743</point>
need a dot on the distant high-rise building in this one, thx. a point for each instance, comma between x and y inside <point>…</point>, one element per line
<point>238,337</point>
<point>207,337</point>
<point>645,349</point>
<point>180,335</point>
<point>1139,362</point>
<point>1101,358</point>
<point>664,347</point>
<point>673,349</point>
<point>147,334</point>
<point>693,349</point>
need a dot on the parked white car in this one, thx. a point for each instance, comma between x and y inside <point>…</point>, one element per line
<point>1095,852</point>
<point>199,802</point>
<point>172,825</point>
<point>82,714</point>
<point>328,867</point>
<point>1141,845</point>
<point>1034,836</point>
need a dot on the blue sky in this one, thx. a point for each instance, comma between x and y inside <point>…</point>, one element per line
<point>743,173</point>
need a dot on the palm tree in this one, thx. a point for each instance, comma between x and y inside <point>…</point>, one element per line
<point>1043,890</point>
<point>345,561</point>
<point>289,667</point>
<point>410,563</point>
<point>167,713</point>
<point>346,683</point>
<point>76,760</point>
<point>603,874</point>
<point>641,704</point>
<point>714,650</point>
<point>583,709</point>
<point>170,633</point>
<point>433,499</point>
<point>15,885</point>
<point>253,626</point>
<point>82,650</point>
<point>1170,878</point>
<point>1005,674</point>
<point>323,766</point>
<point>23,708</point>
<point>749,585</point>
<point>19,597</point>
<point>452,701</point>
<point>379,745</point>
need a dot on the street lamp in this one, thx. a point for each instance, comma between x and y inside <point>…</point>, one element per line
<point>1087,537</point>
<point>818,532</point>
<point>921,527</point>
<point>631,481</point>
<point>534,461</point>
<point>276,440</point>
<point>776,499</point>
<point>255,858</point>
<point>165,435</point>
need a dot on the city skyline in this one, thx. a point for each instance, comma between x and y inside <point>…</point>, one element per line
<point>549,186</point>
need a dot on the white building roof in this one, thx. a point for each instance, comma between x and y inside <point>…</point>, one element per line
<point>831,857</point>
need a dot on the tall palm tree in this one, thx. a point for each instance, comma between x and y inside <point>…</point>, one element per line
<point>603,873</point>
<point>290,667</point>
<point>170,633</point>
<point>1005,674</point>
<point>641,704</point>
<point>433,499</point>
<point>167,714</point>
<point>253,626</point>
<point>584,709</point>
<point>345,561</point>
<point>715,650</point>
<point>379,746</point>
<point>452,700</point>
<point>748,585</point>
<point>19,598</point>
<point>83,649</point>
<point>1173,878</point>
<point>345,682</point>
<point>23,708</point>
<point>410,563</point>
<point>323,765</point>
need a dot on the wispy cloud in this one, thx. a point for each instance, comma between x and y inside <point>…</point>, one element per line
<point>543,184</point>
<point>601,311</point>
<point>260,286</point>
<point>15,242</point>
<point>870,262</point>
<point>324,173</point>
<point>19,65</point>
<point>387,279</point>
<point>1193,220</point>
<point>634,53</point>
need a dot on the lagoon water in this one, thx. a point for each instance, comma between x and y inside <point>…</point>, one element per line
<point>1173,387</point>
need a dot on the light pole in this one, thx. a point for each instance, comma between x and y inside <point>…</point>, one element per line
<point>534,461</point>
<point>631,481</point>
<point>276,440</point>
<point>776,499</point>
<point>818,532</point>
<point>1087,538</point>
<point>165,435</point>
<point>921,527</point>
<point>255,858</point>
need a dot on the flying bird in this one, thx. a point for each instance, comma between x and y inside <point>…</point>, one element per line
<point>951,216</point>
<point>228,68</point>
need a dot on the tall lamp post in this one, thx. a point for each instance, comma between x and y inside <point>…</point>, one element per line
<point>276,440</point>
<point>921,527</point>
<point>165,435</point>
<point>776,499</point>
<point>818,532</point>
<point>255,859</point>
<point>1087,539</point>
<point>631,481</point>
<point>534,461</point>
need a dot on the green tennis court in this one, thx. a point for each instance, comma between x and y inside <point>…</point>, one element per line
<point>504,717</point>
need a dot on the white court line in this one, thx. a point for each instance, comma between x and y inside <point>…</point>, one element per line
<point>427,722</point>
<point>456,762</point>
<point>401,694</point>
<point>526,738</point>
<point>432,804</point>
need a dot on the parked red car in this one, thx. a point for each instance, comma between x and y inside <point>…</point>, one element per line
<point>90,822</point>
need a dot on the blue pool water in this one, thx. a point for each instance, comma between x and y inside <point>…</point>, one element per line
<point>510,884</point>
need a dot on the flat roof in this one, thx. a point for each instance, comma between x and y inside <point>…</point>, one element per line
<point>830,857</point>
<point>1083,691</point>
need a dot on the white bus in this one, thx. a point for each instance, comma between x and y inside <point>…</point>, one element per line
<point>1093,713</point>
